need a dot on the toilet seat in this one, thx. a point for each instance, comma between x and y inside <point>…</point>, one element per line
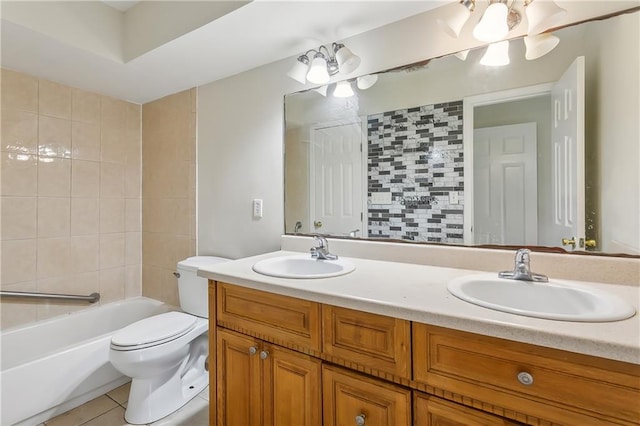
<point>153,331</point>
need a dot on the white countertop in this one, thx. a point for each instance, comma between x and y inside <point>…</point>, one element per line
<point>419,293</point>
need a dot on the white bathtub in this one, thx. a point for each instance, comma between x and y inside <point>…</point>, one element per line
<point>51,366</point>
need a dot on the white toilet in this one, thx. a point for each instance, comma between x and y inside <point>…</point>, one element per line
<point>165,354</point>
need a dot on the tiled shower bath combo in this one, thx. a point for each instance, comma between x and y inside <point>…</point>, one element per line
<point>416,155</point>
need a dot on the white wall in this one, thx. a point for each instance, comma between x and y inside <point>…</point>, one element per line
<point>241,133</point>
<point>616,162</point>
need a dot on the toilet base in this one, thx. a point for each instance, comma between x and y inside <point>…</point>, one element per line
<point>153,398</point>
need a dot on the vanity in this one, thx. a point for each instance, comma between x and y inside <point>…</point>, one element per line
<point>387,344</point>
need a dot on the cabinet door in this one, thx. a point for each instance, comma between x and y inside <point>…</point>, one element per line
<point>375,341</point>
<point>433,411</point>
<point>239,389</point>
<point>353,399</point>
<point>292,388</point>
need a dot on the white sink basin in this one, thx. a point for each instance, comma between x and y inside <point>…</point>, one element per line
<point>553,300</point>
<point>303,267</point>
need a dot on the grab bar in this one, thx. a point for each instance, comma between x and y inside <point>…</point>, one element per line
<point>92,298</point>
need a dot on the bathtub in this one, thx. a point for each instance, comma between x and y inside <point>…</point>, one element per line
<point>51,366</point>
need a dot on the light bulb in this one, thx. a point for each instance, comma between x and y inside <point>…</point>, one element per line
<point>318,70</point>
<point>539,45</point>
<point>299,70</point>
<point>493,26</point>
<point>347,61</point>
<point>366,81</point>
<point>543,15</point>
<point>454,17</point>
<point>343,90</point>
<point>497,54</point>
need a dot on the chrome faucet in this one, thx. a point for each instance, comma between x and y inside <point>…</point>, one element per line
<point>522,270</point>
<point>321,251</point>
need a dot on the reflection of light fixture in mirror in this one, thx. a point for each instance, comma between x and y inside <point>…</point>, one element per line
<point>343,90</point>
<point>324,64</point>
<point>539,45</point>
<point>542,15</point>
<point>462,55</point>
<point>497,54</point>
<point>321,90</point>
<point>366,81</point>
<point>493,24</point>
<point>455,16</point>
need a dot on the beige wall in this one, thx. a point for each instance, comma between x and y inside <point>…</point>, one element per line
<point>168,191</point>
<point>71,182</point>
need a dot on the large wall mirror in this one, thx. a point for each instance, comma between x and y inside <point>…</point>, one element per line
<point>539,152</point>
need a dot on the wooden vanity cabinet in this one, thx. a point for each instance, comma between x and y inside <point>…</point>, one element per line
<point>354,399</point>
<point>381,343</point>
<point>285,361</point>
<point>526,382</point>
<point>288,321</point>
<point>261,384</point>
<point>429,410</point>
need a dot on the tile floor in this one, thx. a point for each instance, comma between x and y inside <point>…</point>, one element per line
<point>108,410</point>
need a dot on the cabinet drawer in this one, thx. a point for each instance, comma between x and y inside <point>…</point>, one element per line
<point>353,399</point>
<point>432,411</point>
<point>565,387</point>
<point>375,341</point>
<point>281,319</point>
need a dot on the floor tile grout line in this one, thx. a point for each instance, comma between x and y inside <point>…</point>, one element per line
<point>109,410</point>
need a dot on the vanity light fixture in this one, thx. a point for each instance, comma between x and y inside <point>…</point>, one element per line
<point>455,16</point>
<point>493,24</point>
<point>498,19</point>
<point>324,63</point>
<point>542,15</point>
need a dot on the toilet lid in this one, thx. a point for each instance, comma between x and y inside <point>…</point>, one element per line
<point>154,330</point>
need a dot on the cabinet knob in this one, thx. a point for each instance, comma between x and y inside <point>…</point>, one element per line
<point>253,350</point>
<point>360,419</point>
<point>264,354</point>
<point>525,378</point>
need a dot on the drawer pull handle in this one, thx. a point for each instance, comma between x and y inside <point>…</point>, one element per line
<point>264,354</point>
<point>360,420</point>
<point>525,378</point>
<point>253,350</point>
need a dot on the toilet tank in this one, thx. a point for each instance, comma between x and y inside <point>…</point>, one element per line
<point>192,289</point>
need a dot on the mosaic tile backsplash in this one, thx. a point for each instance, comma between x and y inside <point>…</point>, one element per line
<point>415,173</point>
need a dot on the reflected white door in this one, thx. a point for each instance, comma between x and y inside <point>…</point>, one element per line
<point>505,185</point>
<point>567,140</point>
<point>336,179</point>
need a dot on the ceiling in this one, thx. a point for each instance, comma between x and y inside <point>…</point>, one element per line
<point>243,36</point>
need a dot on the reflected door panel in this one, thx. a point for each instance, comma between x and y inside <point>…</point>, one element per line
<point>567,138</point>
<point>505,185</point>
<point>336,158</point>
